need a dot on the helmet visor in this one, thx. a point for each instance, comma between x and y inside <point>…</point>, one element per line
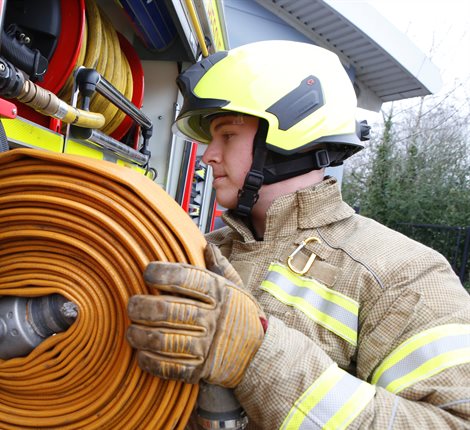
<point>196,125</point>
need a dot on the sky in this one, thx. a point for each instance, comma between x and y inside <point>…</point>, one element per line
<point>439,28</point>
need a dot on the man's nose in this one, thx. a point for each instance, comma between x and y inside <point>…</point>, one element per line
<point>211,154</point>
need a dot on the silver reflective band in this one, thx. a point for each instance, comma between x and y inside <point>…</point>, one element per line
<point>424,355</point>
<point>318,302</point>
<point>333,401</point>
<point>327,307</point>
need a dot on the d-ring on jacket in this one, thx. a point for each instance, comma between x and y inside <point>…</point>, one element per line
<point>376,334</point>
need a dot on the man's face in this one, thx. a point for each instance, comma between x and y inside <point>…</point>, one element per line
<point>230,155</point>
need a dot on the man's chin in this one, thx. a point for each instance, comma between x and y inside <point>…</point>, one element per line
<point>225,201</point>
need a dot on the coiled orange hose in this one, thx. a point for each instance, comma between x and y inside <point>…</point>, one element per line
<point>86,229</point>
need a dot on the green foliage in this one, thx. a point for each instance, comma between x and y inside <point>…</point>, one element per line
<point>416,170</point>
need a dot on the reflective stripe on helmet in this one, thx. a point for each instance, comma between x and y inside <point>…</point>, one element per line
<point>424,355</point>
<point>332,310</point>
<point>333,401</point>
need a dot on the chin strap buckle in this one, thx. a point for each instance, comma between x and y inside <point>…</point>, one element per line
<point>322,159</point>
<point>248,195</point>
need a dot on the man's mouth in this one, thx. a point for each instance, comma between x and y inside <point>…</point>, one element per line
<point>218,178</point>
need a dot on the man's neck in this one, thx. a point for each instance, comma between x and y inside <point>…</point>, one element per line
<point>269,193</point>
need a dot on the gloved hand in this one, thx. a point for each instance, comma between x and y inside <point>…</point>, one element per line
<point>208,329</point>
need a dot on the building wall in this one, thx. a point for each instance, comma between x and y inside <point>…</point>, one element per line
<point>247,22</point>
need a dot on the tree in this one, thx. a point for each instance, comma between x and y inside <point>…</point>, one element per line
<point>416,168</point>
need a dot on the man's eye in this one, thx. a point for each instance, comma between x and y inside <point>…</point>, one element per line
<point>227,136</point>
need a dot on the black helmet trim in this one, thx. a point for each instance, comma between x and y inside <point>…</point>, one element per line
<point>188,80</point>
<point>193,74</point>
<point>279,167</point>
<point>348,142</point>
<point>298,103</point>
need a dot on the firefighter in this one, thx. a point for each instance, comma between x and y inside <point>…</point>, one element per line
<point>316,316</point>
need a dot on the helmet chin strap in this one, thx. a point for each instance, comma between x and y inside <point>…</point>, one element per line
<point>248,195</point>
<point>269,167</point>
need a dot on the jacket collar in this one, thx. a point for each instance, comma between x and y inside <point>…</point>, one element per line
<point>309,208</point>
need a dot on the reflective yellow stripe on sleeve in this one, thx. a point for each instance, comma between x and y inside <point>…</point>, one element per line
<point>333,401</point>
<point>424,355</point>
<point>332,310</point>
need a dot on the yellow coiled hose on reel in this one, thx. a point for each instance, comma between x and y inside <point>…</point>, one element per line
<point>86,229</point>
<point>100,50</point>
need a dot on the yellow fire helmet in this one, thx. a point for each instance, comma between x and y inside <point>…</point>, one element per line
<point>301,91</point>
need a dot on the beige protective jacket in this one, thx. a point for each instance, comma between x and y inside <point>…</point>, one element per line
<point>375,335</point>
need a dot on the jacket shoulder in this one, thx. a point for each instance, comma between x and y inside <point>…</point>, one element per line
<point>222,238</point>
<point>386,253</point>
<point>372,237</point>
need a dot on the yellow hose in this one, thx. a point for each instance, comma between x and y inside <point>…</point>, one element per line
<point>86,229</point>
<point>49,104</point>
<point>100,50</point>
<point>197,27</point>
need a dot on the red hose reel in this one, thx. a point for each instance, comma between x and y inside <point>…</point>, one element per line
<point>64,60</point>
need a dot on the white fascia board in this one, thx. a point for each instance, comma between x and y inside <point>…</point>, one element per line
<point>398,46</point>
<point>367,99</point>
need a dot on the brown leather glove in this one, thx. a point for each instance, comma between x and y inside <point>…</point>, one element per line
<point>208,329</point>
